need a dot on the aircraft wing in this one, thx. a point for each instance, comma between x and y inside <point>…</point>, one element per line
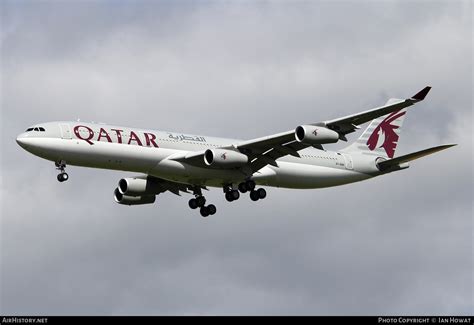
<point>194,158</point>
<point>261,151</point>
<point>266,150</point>
<point>350,123</point>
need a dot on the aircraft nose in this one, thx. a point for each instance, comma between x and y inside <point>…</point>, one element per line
<point>21,140</point>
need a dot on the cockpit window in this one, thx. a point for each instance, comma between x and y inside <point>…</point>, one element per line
<point>40,128</point>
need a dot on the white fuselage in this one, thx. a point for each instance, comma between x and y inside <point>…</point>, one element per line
<point>151,152</point>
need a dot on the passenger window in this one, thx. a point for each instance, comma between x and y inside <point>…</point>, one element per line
<point>41,129</point>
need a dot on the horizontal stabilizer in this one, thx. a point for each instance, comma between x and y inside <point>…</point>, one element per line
<point>395,162</point>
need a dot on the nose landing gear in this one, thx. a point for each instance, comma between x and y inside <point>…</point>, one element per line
<point>61,166</point>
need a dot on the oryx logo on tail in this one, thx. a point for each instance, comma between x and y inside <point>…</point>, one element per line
<point>384,135</point>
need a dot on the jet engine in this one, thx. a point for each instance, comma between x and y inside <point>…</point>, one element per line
<point>139,186</point>
<point>222,158</point>
<point>133,200</point>
<point>311,134</point>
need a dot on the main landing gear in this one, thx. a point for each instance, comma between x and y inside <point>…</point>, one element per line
<point>199,202</point>
<point>61,166</point>
<point>258,194</point>
<point>247,186</point>
<point>231,194</point>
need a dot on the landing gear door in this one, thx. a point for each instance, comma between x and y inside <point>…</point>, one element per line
<point>65,131</point>
<point>348,161</point>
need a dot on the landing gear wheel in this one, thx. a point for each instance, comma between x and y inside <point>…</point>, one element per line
<point>235,195</point>
<point>250,185</point>
<point>232,195</point>
<point>204,211</point>
<point>242,188</point>
<point>201,200</point>
<point>63,177</point>
<point>193,204</point>
<point>254,196</point>
<point>229,197</point>
<point>261,193</point>
<point>212,209</point>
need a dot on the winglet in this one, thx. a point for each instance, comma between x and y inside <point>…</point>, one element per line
<point>422,93</point>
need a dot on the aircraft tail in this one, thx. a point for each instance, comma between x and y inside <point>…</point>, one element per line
<point>382,135</point>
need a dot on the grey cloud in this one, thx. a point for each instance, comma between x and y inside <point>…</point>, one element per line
<point>399,244</point>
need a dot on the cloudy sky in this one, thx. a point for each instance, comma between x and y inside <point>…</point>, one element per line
<point>398,244</point>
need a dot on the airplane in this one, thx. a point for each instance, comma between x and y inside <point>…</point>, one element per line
<point>185,163</point>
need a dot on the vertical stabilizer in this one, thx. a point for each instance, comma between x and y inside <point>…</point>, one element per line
<point>382,135</point>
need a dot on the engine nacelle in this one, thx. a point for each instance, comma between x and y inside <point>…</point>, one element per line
<point>133,200</point>
<point>223,158</point>
<point>139,187</point>
<point>311,134</point>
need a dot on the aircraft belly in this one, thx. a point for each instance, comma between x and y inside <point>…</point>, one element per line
<point>153,161</point>
<point>305,176</point>
<point>184,173</point>
<point>100,154</point>
<point>119,156</point>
